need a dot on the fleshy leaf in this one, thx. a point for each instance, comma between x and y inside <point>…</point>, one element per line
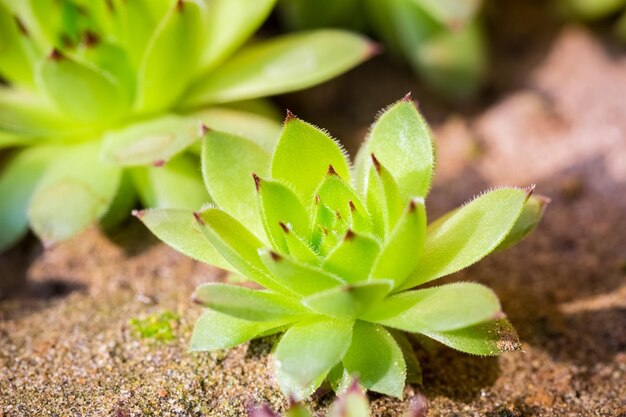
<point>527,221</point>
<point>450,12</point>
<point>229,23</point>
<point>413,368</point>
<point>438,309</point>
<point>85,93</point>
<point>228,162</point>
<point>214,331</point>
<point>156,140</point>
<point>78,180</point>
<point>26,113</point>
<point>487,339</point>
<point>383,198</point>
<point>288,63</point>
<point>15,50</point>
<point>279,206</point>
<point>299,278</point>
<point>261,130</point>
<point>400,253</point>
<point>18,180</point>
<point>180,230</point>
<point>375,359</point>
<point>349,301</point>
<point>468,234</point>
<point>297,410</point>
<point>122,204</point>
<point>336,194</point>
<point>353,258</point>
<point>299,248</point>
<point>309,350</point>
<point>171,58</point>
<point>246,303</point>
<point>237,245</point>
<point>303,156</point>
<point>402,143</point>
<point>173,185</point>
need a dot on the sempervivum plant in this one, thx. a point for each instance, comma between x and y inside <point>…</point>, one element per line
<point>339,252</point>
<point>97,92</point>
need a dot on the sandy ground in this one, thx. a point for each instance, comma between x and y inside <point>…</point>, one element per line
<point>66,348</point>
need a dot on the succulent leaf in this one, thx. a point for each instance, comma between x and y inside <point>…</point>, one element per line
<point>438,309</point>
<point>484,222</point>
<point>180,229</point>
<point>348,301</point>
<point>228,161</point>
<point>214,331</point>
<point>303,155</point>
<point>309,350</point>
<point>353,257</point>
<point>387,373</point>
<point>290,63</point>
<point>528,220</point>
<point>246,303</point>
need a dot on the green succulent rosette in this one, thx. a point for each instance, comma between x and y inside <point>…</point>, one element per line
<point>344,256</point>
<point>105,101</point>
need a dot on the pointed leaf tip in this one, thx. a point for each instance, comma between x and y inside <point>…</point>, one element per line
<point>204,129</point>
<point>331,171</point>
<point>180,5</point>
<point>55,55</point>
<point>419,406</point>
<point>352,206</point>
<point>290,116</point>
<point>417,201</point>
<point>257,182</point>
<point>530,190</point>
<point>159,163</point>
<point>286,228</point>
<point>276,257</point>
<point>198,218</point>
<point>376,162</point>
<point>349,235</point>
<point>373,49</point>
<point>408,97</point>
<point>138,213</point>
<point>263,411</point>
<point>355,387</point>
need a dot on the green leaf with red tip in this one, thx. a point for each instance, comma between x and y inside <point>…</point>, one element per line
<point>527,221</point>
<point>237,245</point>
<point>149,141</point>
<point>402,143</point>
<point>176,184</point>
<point>303,155</point>
<point>400,253</point>
<point>353,258</point>
<point>468,234</point>
<point>348,301</point>
<point>279,205</point>
<point>383,198</point>
<point>16,51</point>
<point>299,248</point>
<point>18,180</point>
<point>384,374</point>
<point>77,179</point>
<point>228,162</point>
<point>246,303</point>
<point>438,309</point>
<point>288,63</point>
<point>309,350</point>
<point>215,331</point>
<point>486,339</point>
<point>180,230</point>
<point>298,278</point>
<point>83,92</point>
<point>336,194</point>
<point>171,58</point>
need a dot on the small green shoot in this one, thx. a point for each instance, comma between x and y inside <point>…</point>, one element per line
<point>160,326</point>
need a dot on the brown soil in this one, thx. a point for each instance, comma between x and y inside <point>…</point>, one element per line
<point>66,348</point>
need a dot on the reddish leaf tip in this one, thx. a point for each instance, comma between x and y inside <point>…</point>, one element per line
<point>373,49</point>
<point>204,129</point>
<point>90,39</point>
<point>338,215</point>
<point>180,5</point>
<point>257,182</point>
<point>138,213</point>
<point>408,97</point>
<point>263,411</point>
<point>529,190</point>
<point>286,228</point>
<point>376,162</point>
<point>317,199</point>
<point>352,206</point>
<point>276,257</point>
<point>159,163</point>
<point>355,387</point>
<point>414,203</point>
<point>349,235</point>
<point>290,116</point>
<point>331,171</point>
<point>55,55</point>
<point>198,218</point>
<point>20,25</point>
